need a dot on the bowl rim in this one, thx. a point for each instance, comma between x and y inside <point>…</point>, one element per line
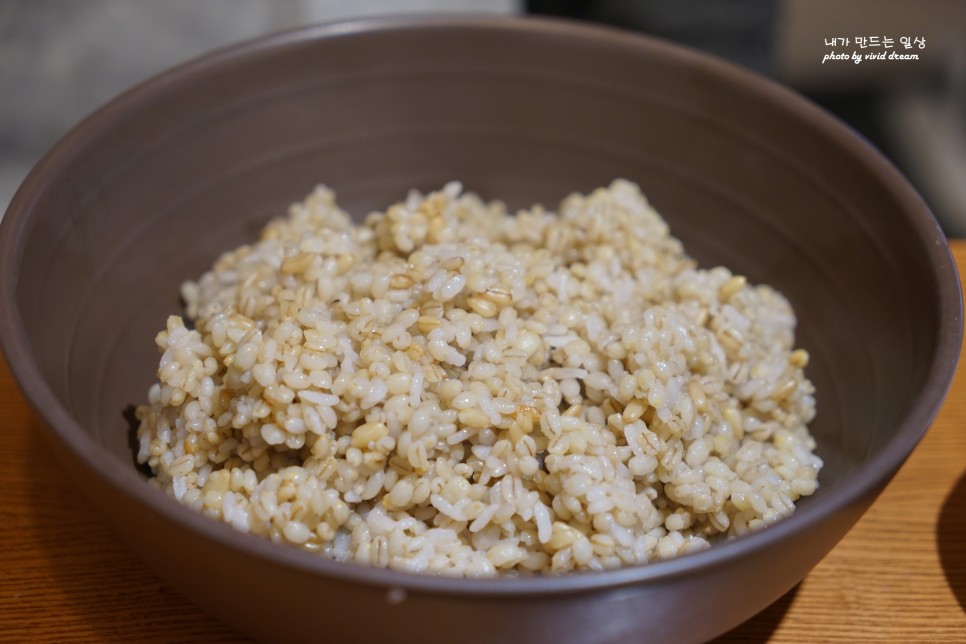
<point>868,479</point>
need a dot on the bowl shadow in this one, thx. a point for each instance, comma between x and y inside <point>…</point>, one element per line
<point>762,626</point>
<point>951,540</point>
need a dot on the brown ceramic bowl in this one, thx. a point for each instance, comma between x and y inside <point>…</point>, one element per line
<point>151,188</point>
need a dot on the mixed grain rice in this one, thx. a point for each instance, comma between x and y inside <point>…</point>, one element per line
<point>451,389</point>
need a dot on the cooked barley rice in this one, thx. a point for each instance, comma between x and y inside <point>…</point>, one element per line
<point>451,389</point>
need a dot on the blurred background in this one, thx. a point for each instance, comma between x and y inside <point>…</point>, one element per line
<point>61,59</point>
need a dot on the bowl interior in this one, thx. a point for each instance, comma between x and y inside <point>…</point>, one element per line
<point>149,192</point>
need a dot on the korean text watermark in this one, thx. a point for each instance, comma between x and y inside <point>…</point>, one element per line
<point>868,48</point>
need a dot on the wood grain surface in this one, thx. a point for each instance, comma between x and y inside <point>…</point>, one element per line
<point>898,576</point>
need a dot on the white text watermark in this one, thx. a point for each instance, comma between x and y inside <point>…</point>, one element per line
<point>869,48</point>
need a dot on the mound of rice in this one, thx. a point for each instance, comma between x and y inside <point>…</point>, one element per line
<point>450,389</point>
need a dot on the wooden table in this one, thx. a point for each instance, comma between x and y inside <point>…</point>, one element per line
<point>64,576</point>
